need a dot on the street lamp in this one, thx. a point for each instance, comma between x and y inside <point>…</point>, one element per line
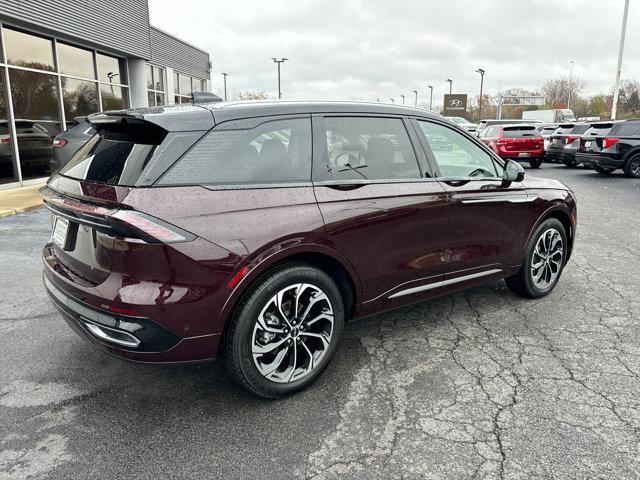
<point>392,100</point>
<point>279,61</point>
<point>481,72</point>
<point>416,101</point>
<point>570,85</point>
<point>224,75</point>
<point>430,87</point>
<point>111,76</point>
<point>450,82</point>
<point>616,92</point>
<point>402,99</point>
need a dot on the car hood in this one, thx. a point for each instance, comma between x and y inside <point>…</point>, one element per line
<point>547,183</point>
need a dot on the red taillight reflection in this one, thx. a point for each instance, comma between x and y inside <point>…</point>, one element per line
<point>59,142</point>
<point>609,141</point>
<point>120,310</point>
<point>569,140</point>
<point>237,277</point>
<point>5,139</point>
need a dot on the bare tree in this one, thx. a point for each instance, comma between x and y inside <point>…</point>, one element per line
<point>556,90</point>
<point>252,95</point>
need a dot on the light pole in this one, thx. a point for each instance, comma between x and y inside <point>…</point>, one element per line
<point>430,87</point>
<point>415,104</point>
<point>616,92</point>
<point>481,72</point>
<point>402,99</point>
<point>224,75</point>
<point>450,82</point>
<point>392,100</point>
<point>111,76</point>
<point>499,111</point>
<point>570,85</point>
<point>278,62</point>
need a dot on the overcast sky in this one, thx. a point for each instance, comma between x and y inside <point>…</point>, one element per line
<point>343,49</point>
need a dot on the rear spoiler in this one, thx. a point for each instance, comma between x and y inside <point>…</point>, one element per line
<point>127,127</point>
<point>205,97</point>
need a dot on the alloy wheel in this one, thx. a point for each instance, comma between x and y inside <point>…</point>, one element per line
<point>292,333</point>
<point>634,167</point>
<point>546,263</point>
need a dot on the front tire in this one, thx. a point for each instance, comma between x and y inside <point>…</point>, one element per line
<point>285,331</point>
<point>545,257</point>
<point>632,167</point>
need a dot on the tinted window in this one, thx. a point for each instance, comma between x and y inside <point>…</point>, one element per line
<point>75,61</point>
<point>114,98</point>
<point>458,157</point>
<point>369,148</point>
<point>623,129</point>
<point>277,151</point>
<point>28,50</point>
<point>79,97</point>
<point>111,69</point>
<point>579,129</point>
<point>520,131</point>
<point>109,161</point>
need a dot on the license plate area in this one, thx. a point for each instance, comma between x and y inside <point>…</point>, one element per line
<point>523,154</point>
<point>64,233</point>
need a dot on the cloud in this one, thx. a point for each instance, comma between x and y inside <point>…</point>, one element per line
<point>342,49</point>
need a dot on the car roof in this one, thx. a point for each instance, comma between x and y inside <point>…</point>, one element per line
<point>203,116</point>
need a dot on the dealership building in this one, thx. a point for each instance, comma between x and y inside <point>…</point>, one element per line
<point>61,59</point>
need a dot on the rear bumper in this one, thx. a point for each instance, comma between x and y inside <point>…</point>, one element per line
<point>599,160</point>
<point>568,158</point>
<point>516,158</point>
<point>552,156</point>
<point>134,338</point>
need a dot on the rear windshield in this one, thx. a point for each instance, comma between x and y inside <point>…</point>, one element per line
<point>114,162</point>
<point>563,130</point>
<point>579,129</point>
<point>625,129</point>
<point>520,131</point>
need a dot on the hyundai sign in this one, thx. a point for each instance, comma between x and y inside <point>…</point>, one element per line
<point>455,105</point>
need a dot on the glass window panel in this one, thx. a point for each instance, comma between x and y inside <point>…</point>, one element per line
<point>79,97</point>
<point>369,148</point>
<point>273,152</point>
<point>114,98</point>
<point>8,171</point>
<point>176,99</point>
<point>456,155</point>
<point>149,77</point>
<point>185,85</point>
<point>158,78</point>
<point>197,85</point>
<point>75,61</point>
<point>111,69</point>
<point>176,83</point>
<point>159,99</point>
<point>35,104</point>
<point>151,98</point>
<point>27,50</point>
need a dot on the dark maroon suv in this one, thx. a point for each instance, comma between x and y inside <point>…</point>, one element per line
<point>252,231</point>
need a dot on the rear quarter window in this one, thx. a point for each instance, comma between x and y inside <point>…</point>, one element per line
<point>520,131</point>
<point>275,151</point>
<point>626,129</point>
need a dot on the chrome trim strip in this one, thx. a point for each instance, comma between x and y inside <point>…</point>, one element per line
<point>499,199</point>
<point>444,283</point>
<point>102,332</point>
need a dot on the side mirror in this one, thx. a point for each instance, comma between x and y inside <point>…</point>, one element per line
<point>513,172</point>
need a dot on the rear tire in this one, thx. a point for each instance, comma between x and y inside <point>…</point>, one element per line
<point>545,257</point>
<point>273,349</point>
<point>535,162</point>
<point>632,167</point>
<point>604,171</point>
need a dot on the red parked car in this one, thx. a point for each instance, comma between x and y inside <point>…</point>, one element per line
<point>522,143</point>
<point>253,231</point>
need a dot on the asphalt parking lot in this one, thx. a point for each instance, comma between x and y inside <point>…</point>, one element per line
<point>481,384</point>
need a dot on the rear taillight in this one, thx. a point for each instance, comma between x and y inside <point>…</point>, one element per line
<point>609,141</point>
<point>569,140</point>
<point>59,142</point>
<point>502,142</point>
<point>148,228</point>
<point>5,139</point>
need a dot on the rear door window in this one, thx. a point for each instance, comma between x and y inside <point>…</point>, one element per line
<point>457,156</point>
<point>275,151</point>
<point>580,129</point>
<point>369,148</point>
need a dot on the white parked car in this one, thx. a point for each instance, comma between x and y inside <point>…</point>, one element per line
<point>464,123</point>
